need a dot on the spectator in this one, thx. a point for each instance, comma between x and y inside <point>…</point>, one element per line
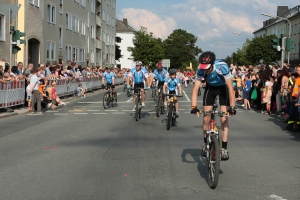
<point>54,98</point>
<point>2,75</point>
<point>34,89</point>
<point>81,91</point>
<point>28,70</point>
<point>48,72</point>
<point>20,68</point>
<point>246,92</point>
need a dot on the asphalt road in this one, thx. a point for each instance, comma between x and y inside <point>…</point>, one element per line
<point>82,151</point>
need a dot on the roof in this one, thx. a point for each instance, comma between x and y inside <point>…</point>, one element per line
<point>123,27</point>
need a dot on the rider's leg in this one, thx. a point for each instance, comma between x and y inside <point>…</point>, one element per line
<point>224,126</point>
<point>143,95</point>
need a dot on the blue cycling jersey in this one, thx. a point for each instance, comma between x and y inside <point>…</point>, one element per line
<point>217,76</point>
<point>138,75</point>
<point>161,75</point>
<point>172,83</point>
<point>109,77</point>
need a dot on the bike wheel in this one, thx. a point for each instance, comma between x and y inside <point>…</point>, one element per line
<point>153,92</point>
<point>173,117</point>
<point>137,109</point>
<point>170,115</point>
<point>105,100</point>
<point>199,92</point>
<point>213,163</point>
<point>158,106</point>
<point>114,100</point>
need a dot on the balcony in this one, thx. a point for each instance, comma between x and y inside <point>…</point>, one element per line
<point>98,44</point>
<point>99,1</point>
<point>98,21</point>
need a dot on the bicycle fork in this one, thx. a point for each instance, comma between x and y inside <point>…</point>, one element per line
<point>212,132</point>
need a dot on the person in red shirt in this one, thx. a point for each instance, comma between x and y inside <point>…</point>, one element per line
<point>54,98</point>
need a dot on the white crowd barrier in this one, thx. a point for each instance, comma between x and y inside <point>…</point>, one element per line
<point>13,92</point>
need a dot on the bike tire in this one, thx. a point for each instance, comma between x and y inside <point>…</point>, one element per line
<point>199,92</point>
<point>105,100</point>
<point>153,92</point>
<point>169,121</point>
<point>128,93</point>
<point>137,103</point>
<point>213,162</point>
<point>115,101</point>
<point>173,118</point>
<point>158,106</point>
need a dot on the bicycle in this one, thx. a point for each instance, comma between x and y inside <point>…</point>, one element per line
<point>125,86</point>
<point>138,104</point>
<point>109,97</point>
<point>160,103</point>
<point>171,111</point>
<point>153,87</point>
<point>129,91</point>
<point>213,146</point>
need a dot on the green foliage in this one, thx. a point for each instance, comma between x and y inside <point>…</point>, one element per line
<point>180,48</point>
<point>147,48</point>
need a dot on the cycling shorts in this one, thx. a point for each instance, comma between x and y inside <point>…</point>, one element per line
<point>160,84</point>
<point>109,85</point>
<point>211,92</point>
<point>138,85</point>
<point>172,91</point>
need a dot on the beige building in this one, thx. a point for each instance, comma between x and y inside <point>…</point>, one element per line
<point>282,27</point>
<point>62,30</point>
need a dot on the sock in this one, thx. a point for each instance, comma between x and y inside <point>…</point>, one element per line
<point>205,140</point>
<point>224,145</point>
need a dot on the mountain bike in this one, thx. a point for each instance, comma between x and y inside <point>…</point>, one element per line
<point>213,146</point>
<point>109,98</point>
<point>153,88</point>
<point>138,104</point>
<point>171,110</point>
<point>199,92</point>
<point>160,108</point>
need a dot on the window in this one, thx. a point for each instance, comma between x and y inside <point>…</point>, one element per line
<point>83,28</point>
<point>35,2</point>
<point>2,28</point>
<point>60,37</point>
<point>295,29</point>
<point>88,19</point>
<point>93,32</point>
<point>61,6</point>
<point>50,50</point>
<point>93,7</point>
<point>75,25</point>
<point>103,15</point>
<point>107,18</point>
<point>69,21</point>
<point>92,57</point>
<point>83,2</point>
<point>76,54</point>
<point>68,52</point>
<point>51,13</point>
<point>82,55</point>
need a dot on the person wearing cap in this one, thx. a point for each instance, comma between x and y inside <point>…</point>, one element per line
<point>138,73</point>
<point>160,74</point>
<point>109,77</point>
<point>218,83</point>
<point>173,85</point>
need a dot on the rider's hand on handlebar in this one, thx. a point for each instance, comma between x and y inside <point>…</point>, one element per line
<point>232,110</point>
<point>102,85</point>
<point>195,110</point>
<point>128,87</point>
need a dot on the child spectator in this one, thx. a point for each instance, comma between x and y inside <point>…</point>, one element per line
<point>80,91</point>
<point>54,98</point>
<point>246,92</point>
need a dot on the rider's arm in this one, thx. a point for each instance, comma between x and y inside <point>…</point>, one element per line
<point>103,77</point>
<point>113,79</point>
<point>180,89</point>
<point>195,93</point>
<point>128,80</point>
<point>230,91</point>
<point>164,88</point>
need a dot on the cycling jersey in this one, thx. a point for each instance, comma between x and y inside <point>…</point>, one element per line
<point>138,75</point>
<point>161,75</point>
<point>217,76</point>
<point>109,77</point>
<point>172,83</point>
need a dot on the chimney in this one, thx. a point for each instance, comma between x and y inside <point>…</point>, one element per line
<point>282,10</point>
<point>125,21</point>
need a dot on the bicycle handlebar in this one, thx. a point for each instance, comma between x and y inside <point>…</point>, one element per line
<point>215,112</point>
<point>171,95</point>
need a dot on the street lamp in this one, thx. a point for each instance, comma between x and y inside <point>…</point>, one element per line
<point>239,33</point>
<point>220,42</point>
<point>290,27</point>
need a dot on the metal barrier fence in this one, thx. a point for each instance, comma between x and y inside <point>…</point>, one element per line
<point>13,92</point>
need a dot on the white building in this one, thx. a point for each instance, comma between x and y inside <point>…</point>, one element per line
<point>125,32</point>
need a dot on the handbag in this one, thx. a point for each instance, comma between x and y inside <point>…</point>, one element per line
<point>254,94</point>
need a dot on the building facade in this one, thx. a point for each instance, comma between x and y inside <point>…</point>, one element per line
<point>125,32</point>
<point>288,26</point>
<point>62,30</point>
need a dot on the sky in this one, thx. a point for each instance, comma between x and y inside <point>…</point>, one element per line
<point>212,22</point>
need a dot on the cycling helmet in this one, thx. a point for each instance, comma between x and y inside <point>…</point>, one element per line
<point>138,63</point>
<point>159,65</point>
<point>107,66</point>
<point>206,59</point>
<point>172,71</point>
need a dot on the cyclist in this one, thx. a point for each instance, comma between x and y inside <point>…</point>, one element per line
<point>161,75</point>
<point>109,76</point>
<point>218,83</point>
<point>138,73</point>
<point>173,84</point>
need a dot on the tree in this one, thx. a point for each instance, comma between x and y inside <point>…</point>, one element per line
<point>260,48</point>
<point>147,48</point>
<point>180,48</point>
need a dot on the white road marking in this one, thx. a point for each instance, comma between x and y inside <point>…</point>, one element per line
<point>119,93</point>
<point>186,96</point>
<point>99,113</point>
<point>95,106</point>
<point>92,110</point>
<point>127,110</point>
<point>52,111</point>
<point>152,112</point>
<point>61,113</point>
<point>118,113</point>
<point>181,109</point>
<point>129,100</point>
<point>34,114</point>
<point>273,196</point>
<point>112,110</point>
<point>80,113</point>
